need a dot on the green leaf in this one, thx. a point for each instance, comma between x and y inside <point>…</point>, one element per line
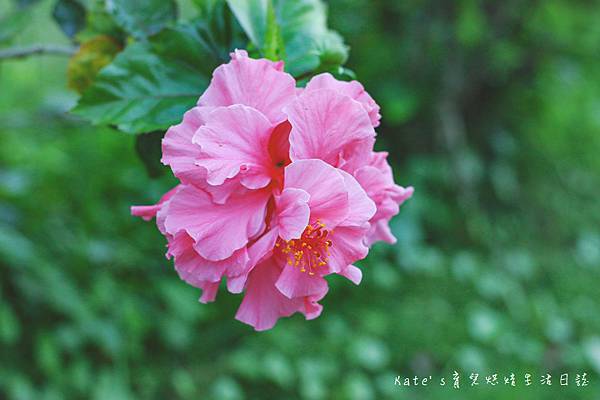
<point>12,24</point>
<point>70,16</point>
<point>274,47</point>
<point>252,16</point>
<point>148,147</point>
<point>302,29</point>
<point>219,28</point>
<point>91,57</point>
<point>308,41</point>
<point>185,43</point>
<point>142,18</point>
<point>99,22</point>
<point>142,91</point>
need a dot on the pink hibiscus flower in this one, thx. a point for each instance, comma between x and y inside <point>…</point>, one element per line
<point>279,188</point>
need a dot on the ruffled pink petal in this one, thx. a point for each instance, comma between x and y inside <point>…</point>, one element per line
<point>329,126</point>
<point>328,195</point>
<point>149,212</point>
<point>378,160</point>
<point>354,157</point>
<point>382,184</point>
<point>352,273</point>
<point>361,207</point>
<point>209,291</point>
<point>293,212</point>
<point>376,184</point>
<point>217,229</point>
<point>353,89</point>
<point>312,309</point>
<point>258,251</point>
<point>235,140</point>
<point>379,185</point>
<point>222,192</point>
<point>194,269</point>
<point>380,231</point>
<point>178,150</point>
<point>293,283</point>
<point>260,84</point>
<point>263,304</point>
<point>241,54</point>
<point>348,247</point>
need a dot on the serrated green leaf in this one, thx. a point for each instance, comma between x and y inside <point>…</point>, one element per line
<point>184,43</point>
<point>142,91</point>
<point>70,16</point>
<point>142,18</point>
<point>302,25</point>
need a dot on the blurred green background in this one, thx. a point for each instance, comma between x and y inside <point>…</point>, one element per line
<point>490,109</point>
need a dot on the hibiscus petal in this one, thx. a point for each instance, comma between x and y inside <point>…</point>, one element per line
<point>260,84</point>
<point>149,212</point>
<point>293,213</point>
<point>325,185</point>
<point>328,126</point>
<point>178,150</point>
<point>312,309</point>
<point>348,247</point>
<point>353,89</point>
<point>217,229</point>
<point>352,273</point>
<point>293,283</point>
<point>379,185</point>
<point>257,252</point>
<point>235,140</point>
<point>263,304</point>
<point>361,207</point>
<point>380,230</point>
<point>209,291</point>
<point>194,269</point>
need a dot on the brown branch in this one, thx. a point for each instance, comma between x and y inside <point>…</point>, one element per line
<point>38,49</point>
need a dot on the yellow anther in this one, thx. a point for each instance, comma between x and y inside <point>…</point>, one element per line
<point>315,240</point>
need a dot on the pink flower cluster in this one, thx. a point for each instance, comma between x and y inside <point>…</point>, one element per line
<point>279,186</point>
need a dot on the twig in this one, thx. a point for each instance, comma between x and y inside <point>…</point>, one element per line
<point>22,52</point>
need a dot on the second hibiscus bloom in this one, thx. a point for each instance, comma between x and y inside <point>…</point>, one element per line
<point>280,187</point>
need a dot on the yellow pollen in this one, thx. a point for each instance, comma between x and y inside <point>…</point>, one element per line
<point>316,240</point>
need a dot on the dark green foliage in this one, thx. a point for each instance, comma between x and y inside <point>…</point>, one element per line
<point>162,73</point>
<point>141,18</point>
<point>70,16</point>
<point>142,90</point>
<point>148,148</point>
